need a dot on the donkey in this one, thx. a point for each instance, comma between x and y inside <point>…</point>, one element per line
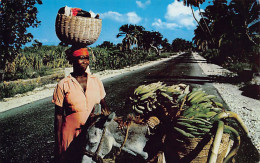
<point>114,137</point>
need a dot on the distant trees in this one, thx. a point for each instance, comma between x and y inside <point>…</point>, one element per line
<point>107,45</point>
<point>137,35</point>
<point>179,44</point>
<point>166,45</point>
<point>15,18</point>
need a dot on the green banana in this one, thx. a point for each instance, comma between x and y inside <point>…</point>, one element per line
<point>139,111</point>
<point>204,98</point>
<point>140,107</point>
<point>197,133</point>
<point>184,124</point>
<point>216,109</point>
<point>218,104</point>
<point>145,96</point>
<point>192,129</point>
<point>198,98</point>
<point>205,126</point>
<point>193,94</point>
<point>148,107</point>
<point>206,130</point>
<point>192,121</point>
<point>203,120</point>
<point>167,96</point>
<point>184,133</point>
<point>205,105</point>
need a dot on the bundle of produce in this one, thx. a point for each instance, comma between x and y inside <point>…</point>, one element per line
<point>191,114</point>
<point>77,27</point>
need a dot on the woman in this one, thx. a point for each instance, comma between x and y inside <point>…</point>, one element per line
<point>74,99</point>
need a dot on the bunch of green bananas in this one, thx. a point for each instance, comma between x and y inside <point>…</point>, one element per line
<point>201,105</point>
<point>196,108</point>
<point>147,98</point>
<point>196,127</point>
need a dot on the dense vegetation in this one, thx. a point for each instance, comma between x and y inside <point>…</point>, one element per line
<point>228,33</point>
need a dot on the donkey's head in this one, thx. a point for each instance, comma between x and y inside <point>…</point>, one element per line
<point>94,136</point>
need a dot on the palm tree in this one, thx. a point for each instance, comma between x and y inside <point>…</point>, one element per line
<point>137,32</point>
<point>195,3</point>
<point>131,34</point>
<point>128,40</point>
<point>246,17</point>
<point>200,39</point>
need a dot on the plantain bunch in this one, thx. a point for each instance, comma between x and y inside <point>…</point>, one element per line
<point>190,112</point>
<point>201,105</point>
<point>148,98</point>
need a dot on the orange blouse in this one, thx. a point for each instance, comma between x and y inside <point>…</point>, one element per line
<point>77,105</point>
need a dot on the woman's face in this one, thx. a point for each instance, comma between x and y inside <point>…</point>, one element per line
<point>81,62</point>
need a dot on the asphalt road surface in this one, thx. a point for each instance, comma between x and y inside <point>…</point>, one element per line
<point>26,132</point>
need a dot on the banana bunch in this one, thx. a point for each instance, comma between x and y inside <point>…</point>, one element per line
<point>147,98</point>
<point>144,97</point>
<point>201,105</point>
<point>191,128</point>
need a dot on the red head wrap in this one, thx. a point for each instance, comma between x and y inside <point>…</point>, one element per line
<point>79,52</point>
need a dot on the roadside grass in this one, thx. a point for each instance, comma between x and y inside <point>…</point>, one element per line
<point>12,88</point>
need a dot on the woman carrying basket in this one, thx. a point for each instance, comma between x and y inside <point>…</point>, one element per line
<point>75,97</point>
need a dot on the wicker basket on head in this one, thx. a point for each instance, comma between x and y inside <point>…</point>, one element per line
<point>77,30</point>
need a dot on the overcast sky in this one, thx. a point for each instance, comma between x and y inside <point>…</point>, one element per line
<point>169,17</point>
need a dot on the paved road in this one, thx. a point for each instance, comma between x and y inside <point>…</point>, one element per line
<point>26,132</point>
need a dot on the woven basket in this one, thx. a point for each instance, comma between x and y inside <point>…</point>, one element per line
<point>77,30</point>
<point>202,157</point>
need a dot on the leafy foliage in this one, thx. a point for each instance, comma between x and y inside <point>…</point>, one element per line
<point>233,36</point>
<point>15,18</point>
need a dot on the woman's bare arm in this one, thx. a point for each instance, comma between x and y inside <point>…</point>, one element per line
<point>57,130</point>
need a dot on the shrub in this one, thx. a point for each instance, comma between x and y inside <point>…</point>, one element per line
<point>212,55</point>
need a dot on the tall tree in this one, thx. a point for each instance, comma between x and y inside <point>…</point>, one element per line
<point>15,17</point>
<point>203,24</point>
<point>151,40</point>
<point>130,33</point>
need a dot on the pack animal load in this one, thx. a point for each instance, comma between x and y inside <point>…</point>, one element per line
<point>196,126</point>
<point>75,26</point>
